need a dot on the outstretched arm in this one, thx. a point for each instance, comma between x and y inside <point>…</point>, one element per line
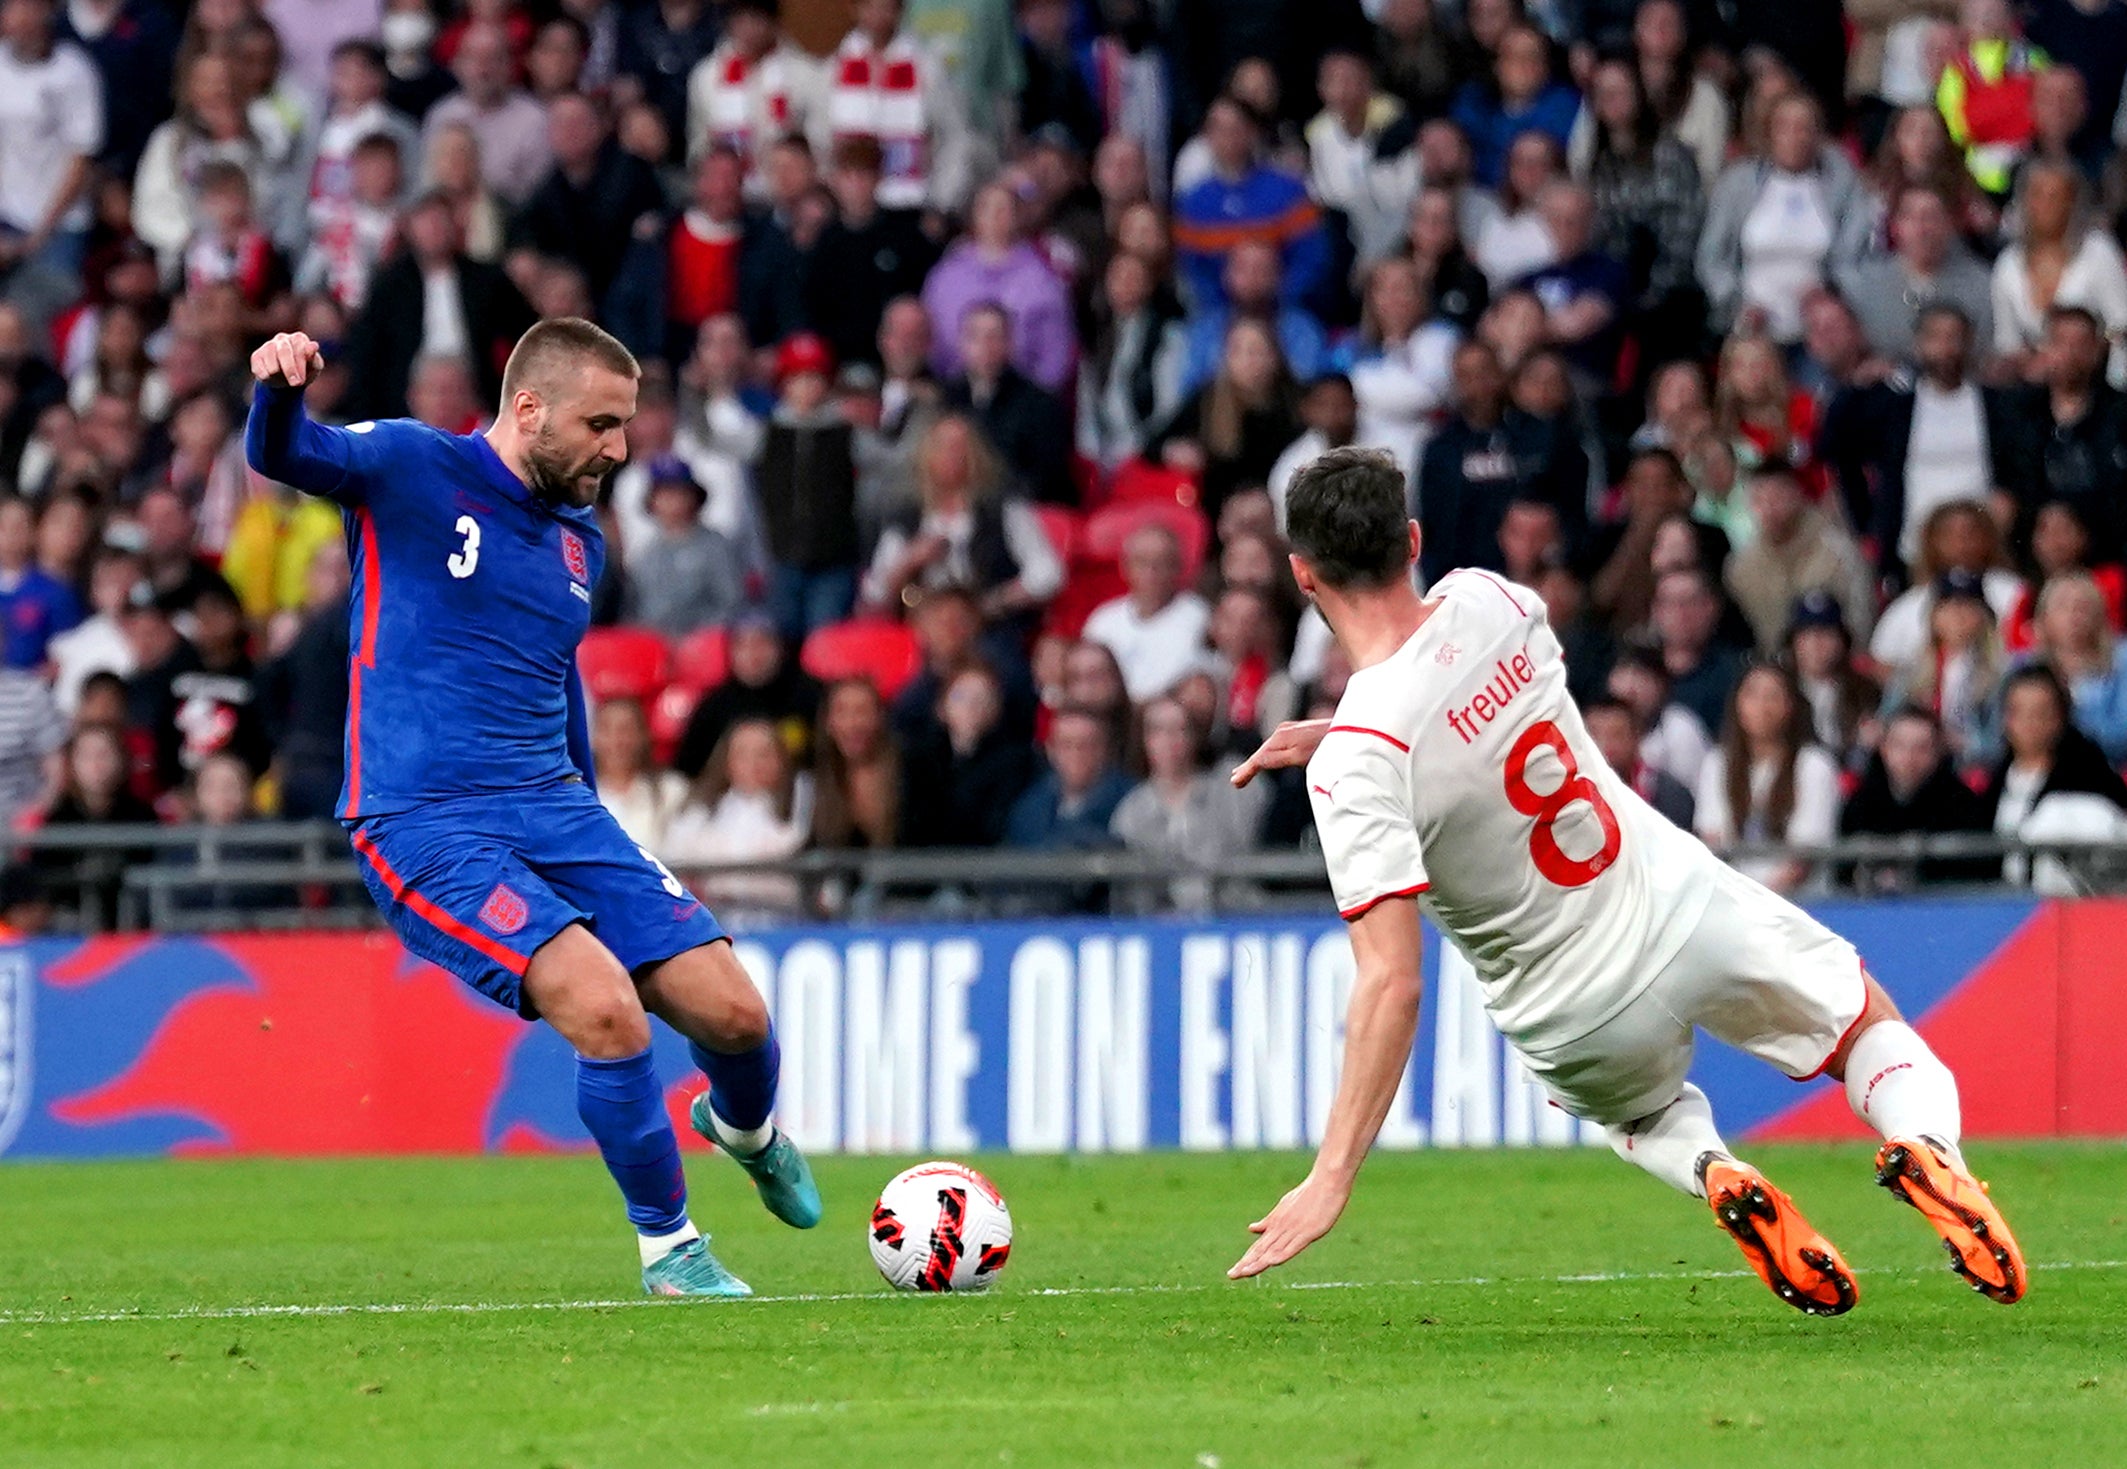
<point>280,441</point>
<point>1378,1031</point>
<point>1291,743</point>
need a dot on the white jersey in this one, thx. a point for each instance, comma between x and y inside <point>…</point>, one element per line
<point>1459,769</point>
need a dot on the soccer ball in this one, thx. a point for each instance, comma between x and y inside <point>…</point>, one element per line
<point>939,1227</point>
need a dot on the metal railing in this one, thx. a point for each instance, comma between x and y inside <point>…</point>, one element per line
<point>287,875</point>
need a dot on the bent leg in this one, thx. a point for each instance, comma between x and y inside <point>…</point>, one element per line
<point>1894,1080</point>
<point>707,996</point>
<point>1673,1143</point>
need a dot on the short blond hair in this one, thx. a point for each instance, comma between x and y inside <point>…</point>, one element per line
<point>559,345</point>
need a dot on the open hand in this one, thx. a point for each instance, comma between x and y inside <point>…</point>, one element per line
<point>1303,1216</point>
<point>1291,743</point>
<point>287,361</point>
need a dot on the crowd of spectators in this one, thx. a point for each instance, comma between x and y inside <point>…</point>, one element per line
<point>1778,347</point>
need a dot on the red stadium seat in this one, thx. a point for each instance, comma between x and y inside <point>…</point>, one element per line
<point>1089,585</point>
<point>1112,525</point>
<point>1062,526</point>
<point>623,663</point>
<point>884,652</point>
<point>703,659</point>
<point>1137,480</point>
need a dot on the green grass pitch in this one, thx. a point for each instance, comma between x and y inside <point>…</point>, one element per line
<point>1496,1308</point>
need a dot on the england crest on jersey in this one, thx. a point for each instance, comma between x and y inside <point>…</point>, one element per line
<point>573,557</point>
<point>16,983</point>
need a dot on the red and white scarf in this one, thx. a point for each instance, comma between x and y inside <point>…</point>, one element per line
<point>879,94</point>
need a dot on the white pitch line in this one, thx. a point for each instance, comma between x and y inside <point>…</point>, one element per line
<point>484,1308</point>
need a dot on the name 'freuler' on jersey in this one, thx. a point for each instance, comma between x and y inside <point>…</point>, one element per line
<point>1459,769</point>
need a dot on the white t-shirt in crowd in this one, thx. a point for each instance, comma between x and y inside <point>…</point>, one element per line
<point>51,112</point>
<point>1902,632</point>
<point>1813,821</point>
<point>1155,652</point>
<point>1945,457</point>
<point>1787,237</point>
<point>1459,769</point>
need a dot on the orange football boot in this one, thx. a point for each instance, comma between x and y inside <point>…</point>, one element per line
<point>1981,1247</point>
<point>1799,1264</point>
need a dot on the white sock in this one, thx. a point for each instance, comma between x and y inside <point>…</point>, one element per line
<point>744,1142</point>
<point>1669,1143</point>
<point>655,1247</point>
<point>1898,1086</point>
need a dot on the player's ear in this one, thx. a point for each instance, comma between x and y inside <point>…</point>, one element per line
<point>1417,540</point>
<point>1302,573</point>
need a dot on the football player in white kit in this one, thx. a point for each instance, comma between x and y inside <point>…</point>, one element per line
<point>1457,774</point>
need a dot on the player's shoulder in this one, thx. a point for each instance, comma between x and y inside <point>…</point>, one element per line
<point>1487,593</point>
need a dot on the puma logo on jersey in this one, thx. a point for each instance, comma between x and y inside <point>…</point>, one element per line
<point>1328,792</point>
<point>1509,678</point>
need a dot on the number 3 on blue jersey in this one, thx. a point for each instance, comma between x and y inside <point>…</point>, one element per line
<point>672,884</point>
<point>466,558</point>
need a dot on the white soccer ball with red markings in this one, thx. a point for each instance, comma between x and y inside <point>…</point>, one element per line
<point>940,1227</point>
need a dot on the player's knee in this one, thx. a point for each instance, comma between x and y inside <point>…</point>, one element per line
<point>743,1021</point>
<point>609,1026</point>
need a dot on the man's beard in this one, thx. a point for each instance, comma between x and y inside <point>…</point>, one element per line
<point>556,481</point>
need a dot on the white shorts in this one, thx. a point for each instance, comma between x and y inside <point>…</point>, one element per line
<point>1757,972</point>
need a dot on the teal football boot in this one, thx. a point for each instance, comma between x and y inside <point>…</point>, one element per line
<point>779,1170</point>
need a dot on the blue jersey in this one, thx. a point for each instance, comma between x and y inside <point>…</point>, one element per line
<point>470,596</point>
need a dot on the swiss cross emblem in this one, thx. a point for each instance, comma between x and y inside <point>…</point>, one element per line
<point>503,911</point>
<point>572,556</point>
<point>1447,655</point>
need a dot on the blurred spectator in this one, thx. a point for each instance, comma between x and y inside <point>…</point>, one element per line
<point>1762,414</point>
<point>1183,814</point>
<point>856,772</point>
<point>1985,91</point>
<point>1843,701</point>
<point>1519,97</point>
<point>211,126</point>
<point>1835,355</point>
<point>1914,441</point>
<point>416,83</point>
<point>1253,291</point>
<point>764,683</point>
<point>2061,259</point>
<point>1485,457</point>
<point>98,643</point>
<point>1957,536</point>
<point>750,805</point>
<point>32,731</point>
<point>1772,222</point>
<point>355,111</point>
<point>350,234</point>
<point>961,779</point>
<point>2087,39</point>
<point>2049,776</point>
<point>133,44</point>
<point>907,391</point>
<point>432,300</point>
<point>966,531</point>
<point>1675,739</point>
<point>592,179</point>
<point>2071,433</point>
<point>1910,789</point>
<point>51,129</point>
<point>515,151</point>
<point>1915,153</point>
<point>1767,781</point>
<point>642,797</point>
<point>1071,805</point>
<point>950,636</point>
<point>451,169</point>
<point>95,792</point>
<point>687,576</point>
<point>1023,421</point>
<point>302,694</point>
<point>1702,670</point>
<point>2060,545</point>
<point>660,46</point>
<point>1230,432</point>
<point>1245,199</point>
<point>994,266</point>
<point>747,91</point>
<point>1156,629</point>
<point>1053,92</point>
<point>1615,728</point>
<point>554,63</point>
<point>1798,550</point>
<point>1513,240</point>
<point>1400,364</point>
<point>439,393</point>
<point>1330,410</point>
<point>1412,56</point>
<point>119,365</point>
<point>1930,266</point>
<point>34,606</point>
<point>1130,382</point>
<point>1362,159</point>
<point>867,257</point>
<point>216,708</point>
<point>1245,664</point>
<point>2072,636</point>
<point>1650,202</point>
<point>884,84</point>
<point>1954,675</point>
<point>806,487</point>
<point>1454,289</point>
<point>1584,292</point>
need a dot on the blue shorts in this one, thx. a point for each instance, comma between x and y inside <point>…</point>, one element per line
<point>476,884</point>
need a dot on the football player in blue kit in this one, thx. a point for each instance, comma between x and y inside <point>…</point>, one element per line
<point>469,795</point>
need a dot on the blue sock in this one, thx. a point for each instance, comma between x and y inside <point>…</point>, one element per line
<point>742,1084</point>
<point>623,1106</point>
